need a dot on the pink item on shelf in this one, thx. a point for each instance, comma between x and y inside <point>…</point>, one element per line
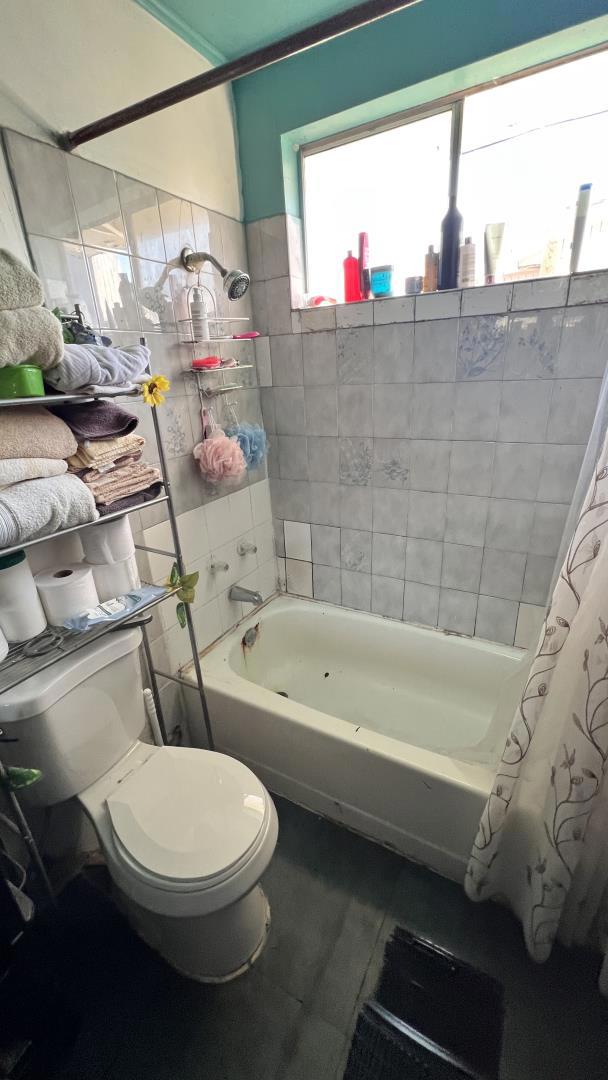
<point>220,458</point>
<point>246,337</point>
<point>206,362</point>
<point>320,301</point>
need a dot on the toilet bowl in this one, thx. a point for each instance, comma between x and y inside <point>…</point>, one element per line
<point>186,833</point>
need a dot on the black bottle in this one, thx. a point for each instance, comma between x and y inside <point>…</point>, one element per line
<point>451,239</point>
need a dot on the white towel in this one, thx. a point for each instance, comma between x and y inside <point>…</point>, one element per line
<point>30,335</point>
<point>19,286</point>
<point>43,507</point>
<point>14,470</point>
<point>98,365</point>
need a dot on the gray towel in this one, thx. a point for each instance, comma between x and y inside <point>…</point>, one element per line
<point>19,286</point>
<point>30,335</point>
<point>98,365</point>
<point>43,507</point>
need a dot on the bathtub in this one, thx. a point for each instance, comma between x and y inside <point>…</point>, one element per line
<point>382,726</point>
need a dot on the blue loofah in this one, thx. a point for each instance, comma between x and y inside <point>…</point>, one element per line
<point>252,441</point>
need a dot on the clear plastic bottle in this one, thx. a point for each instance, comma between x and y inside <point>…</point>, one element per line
<point>466,264</point>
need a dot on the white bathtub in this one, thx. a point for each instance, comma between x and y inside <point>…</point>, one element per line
<point>386,727</point>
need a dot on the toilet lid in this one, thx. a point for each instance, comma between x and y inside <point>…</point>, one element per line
<point>188,814</point>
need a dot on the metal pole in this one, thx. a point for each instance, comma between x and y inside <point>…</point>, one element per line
<point>317,34</point>
<point>182,569</point>
<point>26,835</point>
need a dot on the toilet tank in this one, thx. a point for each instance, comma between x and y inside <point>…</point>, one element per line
<point>77,718</point>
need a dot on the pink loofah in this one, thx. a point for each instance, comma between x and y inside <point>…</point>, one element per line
<point>220,458</point>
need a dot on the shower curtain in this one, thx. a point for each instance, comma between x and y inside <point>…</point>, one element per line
<point>542,842</point>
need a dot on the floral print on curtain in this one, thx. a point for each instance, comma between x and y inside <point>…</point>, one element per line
<point>542,842</point>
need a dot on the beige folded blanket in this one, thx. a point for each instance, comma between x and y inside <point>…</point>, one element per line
<point>14,470</point>
<point>19,286</point>
<point>117,484</point>
<point>31,431</point>
<point>103,452</point>
<point>30,335</point>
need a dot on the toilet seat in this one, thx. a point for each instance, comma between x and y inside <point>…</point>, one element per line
<point>188,817</point>
<point>191,830</point>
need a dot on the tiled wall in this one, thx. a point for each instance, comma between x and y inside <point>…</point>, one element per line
<point>425,451</point>
<point>103,240</point>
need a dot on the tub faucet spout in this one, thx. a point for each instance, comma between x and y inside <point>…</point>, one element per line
<point>246,596</point>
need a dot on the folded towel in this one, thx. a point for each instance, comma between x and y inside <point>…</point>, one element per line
<point>14,470</point>
<point>97,420</point>
<point>138,498</point>
<point>108,487</point>
<point>104,452</point>
<point>30,336</point>
<point>31,431</point>
<point>99,365</point>
<point>19,286</point>
<point>42,507</point>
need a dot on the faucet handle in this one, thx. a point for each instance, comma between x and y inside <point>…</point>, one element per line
<point>215,566</point>
<point>245,547</point>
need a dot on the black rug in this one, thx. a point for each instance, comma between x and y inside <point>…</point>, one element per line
<point>432,1018</point>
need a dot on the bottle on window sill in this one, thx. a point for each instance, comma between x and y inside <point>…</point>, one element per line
<point>466,265</point>
<point>431,266</point>
<point>451,239</point>
<point>352,290</point>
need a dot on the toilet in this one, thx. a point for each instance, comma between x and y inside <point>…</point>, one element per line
<point>186,833</point>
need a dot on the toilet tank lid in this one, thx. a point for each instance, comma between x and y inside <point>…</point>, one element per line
<point>38,693</point>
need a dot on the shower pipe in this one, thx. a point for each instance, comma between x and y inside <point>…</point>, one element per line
<point>317,34</point>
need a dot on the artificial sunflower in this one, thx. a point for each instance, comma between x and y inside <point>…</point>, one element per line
<point>153,390</point>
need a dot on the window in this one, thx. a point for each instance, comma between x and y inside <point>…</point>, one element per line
<point>527,146</point>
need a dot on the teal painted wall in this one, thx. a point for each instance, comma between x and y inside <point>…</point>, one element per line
<point>433,48</point>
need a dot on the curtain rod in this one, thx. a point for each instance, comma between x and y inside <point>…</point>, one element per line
<point>320,32</point>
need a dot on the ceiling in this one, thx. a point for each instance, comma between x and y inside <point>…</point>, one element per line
<point>225,29</point>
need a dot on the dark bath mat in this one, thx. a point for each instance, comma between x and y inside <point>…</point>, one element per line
<point>433,1017</point>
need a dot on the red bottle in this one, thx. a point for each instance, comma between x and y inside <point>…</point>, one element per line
<point>352,290</point>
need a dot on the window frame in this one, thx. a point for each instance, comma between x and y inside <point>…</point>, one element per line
<point>447,103</point>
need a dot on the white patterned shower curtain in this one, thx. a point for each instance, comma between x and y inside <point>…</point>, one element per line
<point>542,843</point>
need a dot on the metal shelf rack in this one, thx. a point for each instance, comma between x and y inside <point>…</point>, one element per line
<point>16,668</point>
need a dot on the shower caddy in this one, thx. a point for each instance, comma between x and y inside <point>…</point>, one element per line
<point>26,660</point>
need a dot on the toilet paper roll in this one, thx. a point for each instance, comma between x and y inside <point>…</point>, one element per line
<point>116,579</point>
<point>63,550</point>
<point>21,614</point>
<point>3,646</point>
<point>108,543</point>
<point>66,591</point>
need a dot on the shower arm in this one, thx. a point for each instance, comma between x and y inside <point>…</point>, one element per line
<point>192,261</point>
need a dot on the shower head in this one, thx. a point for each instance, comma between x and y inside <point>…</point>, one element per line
<point>236,282</point>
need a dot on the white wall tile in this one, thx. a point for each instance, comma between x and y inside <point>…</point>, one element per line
<point>219,522</point>
<point>387,596</point>
<point>487,300</point>
<point>529,622</point>
<point>299,577</point>
<point>260,502</point>
<point>457,611</point>
<point>421,603</point>
<point>543,293</point>
<point>262,361</point>
<point>589,288</point>
<point>327,584</point>
<point>241,518</point>
<point>356,590</point>
<point>358,314</point>
<point>318,318</point>
<point>394,309</point>
<point>439,305</point>
<point>496,619</point>
<point>297,540</point>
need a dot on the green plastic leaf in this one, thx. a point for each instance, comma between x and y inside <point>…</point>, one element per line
<point>189,581</point>
<point>17,777</point>
<point>174,576</point>
<point>187,595</point>
<point>180,611</point>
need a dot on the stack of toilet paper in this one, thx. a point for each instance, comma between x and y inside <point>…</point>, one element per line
<point>110,552</point>
<point>67,588</point>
